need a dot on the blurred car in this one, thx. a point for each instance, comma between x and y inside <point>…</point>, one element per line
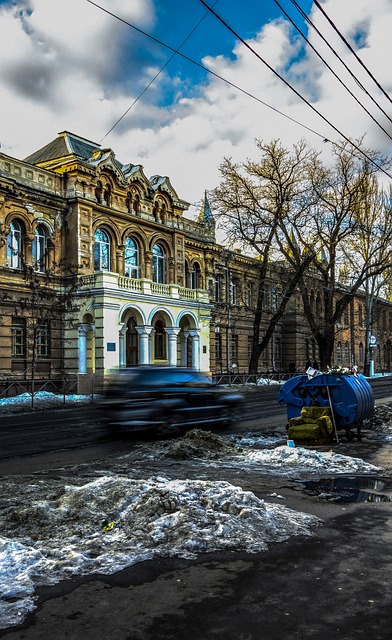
<point>166,400</point>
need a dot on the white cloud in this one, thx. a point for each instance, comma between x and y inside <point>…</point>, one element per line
<point>62,67</point>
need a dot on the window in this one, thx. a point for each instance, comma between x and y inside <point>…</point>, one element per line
<point>107,195</point>
<point>339,353</point>
<point>158,264</point>
<point>361,353</point>
<point>101,251</point>
<point>39,248</point>
<point>98,191</point>
<point>14,245</point>
<point>360,316</point>
<point>234,349</point>
<point>346,354</point>
<point>42,340</point>
<point>346,317</point>
<point>234,291</point>
<point>18,338</point>
<point>218,287</point>
<point>195,275</point>
<point>131,258</point>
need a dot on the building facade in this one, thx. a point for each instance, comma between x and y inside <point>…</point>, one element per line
<point>99,268</point>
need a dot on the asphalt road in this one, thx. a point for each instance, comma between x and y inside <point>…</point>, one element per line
<point>334,584</point>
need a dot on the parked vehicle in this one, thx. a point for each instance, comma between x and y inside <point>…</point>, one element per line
<point>166,399</point>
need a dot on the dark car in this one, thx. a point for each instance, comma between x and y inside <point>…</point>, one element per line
<point>166,399</point>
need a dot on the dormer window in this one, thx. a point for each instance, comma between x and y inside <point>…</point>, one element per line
<point>98,191</point>
<point>107,195</point>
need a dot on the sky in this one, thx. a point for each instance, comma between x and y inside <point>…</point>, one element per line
<point>69,65</point>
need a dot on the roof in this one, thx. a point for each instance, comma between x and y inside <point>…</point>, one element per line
<point>64,145</point>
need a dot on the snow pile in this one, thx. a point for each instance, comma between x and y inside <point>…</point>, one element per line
<point>206,447</point>
<point>42,399</point>
<point>114,522</point>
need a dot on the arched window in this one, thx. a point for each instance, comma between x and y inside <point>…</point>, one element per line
<point>360,316</point>
<point>195,276</point>
<point>98,191</point>
<point>136,204</point>
<point>339,353</point>
<point>39,248</point>
<point>101,251</point>
<point>346,354</point>
<point>158,264</point>
<point>131,258</point>
<point>14,245</point>
<point>107,194</point>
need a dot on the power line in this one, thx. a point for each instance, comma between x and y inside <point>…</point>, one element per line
<point>156,75</point>
<point>359,83</point>
<point>333,72</point>
<point>201,66</point>
<point>247,45</point>
<point>247,93</point>
<point>348,45</point>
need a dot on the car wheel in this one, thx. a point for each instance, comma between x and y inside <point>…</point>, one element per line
<point>169,425</point>
<point>230,415</point>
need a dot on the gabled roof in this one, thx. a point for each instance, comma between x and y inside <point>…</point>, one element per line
<point>64,145</point>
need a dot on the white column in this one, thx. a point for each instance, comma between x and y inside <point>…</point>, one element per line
<point>194,333</point>
<point>173,332</point>
<point>122,344</point>
<point>144,351</point>
<point>82,346</point>
<point>184,348</point>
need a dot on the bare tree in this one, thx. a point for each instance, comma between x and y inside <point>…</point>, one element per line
<point>259,202</point>
<point>350,231</point>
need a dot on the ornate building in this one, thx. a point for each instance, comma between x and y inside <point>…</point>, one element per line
<point>100,268</point>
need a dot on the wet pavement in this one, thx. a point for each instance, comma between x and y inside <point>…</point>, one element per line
<point>336,583</point>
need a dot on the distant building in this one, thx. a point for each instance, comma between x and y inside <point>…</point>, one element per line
<point>99,268</point>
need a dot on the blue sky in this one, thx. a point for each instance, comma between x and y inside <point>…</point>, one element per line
<point>68,65</point>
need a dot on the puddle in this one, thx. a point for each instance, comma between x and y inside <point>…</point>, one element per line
<point>349,489</point>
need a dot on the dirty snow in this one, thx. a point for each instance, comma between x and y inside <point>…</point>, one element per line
<point>113,522</point>
<point>208,448</point>
<point>42,400</point>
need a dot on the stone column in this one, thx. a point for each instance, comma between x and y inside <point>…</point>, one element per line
<point>195,334</point>
<point>122,344</point>
<point>173,332</point>
<point>83,328</point>
<point>120,259</point>
<point>148,265</point>
<point>144,350</point>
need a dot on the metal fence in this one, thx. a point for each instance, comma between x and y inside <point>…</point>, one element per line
<point>61,387</point>
<point>91,385</point>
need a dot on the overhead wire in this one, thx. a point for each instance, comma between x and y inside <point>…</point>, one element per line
<point>213,73</point>
<point>297,93</point>
<point>157,74</point>
<point>247,93</point>
<point>359,83</point>
<point>332,71</point>
<point>348,45</point>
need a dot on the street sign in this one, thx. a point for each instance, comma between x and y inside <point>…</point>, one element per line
<point>372,341</point>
